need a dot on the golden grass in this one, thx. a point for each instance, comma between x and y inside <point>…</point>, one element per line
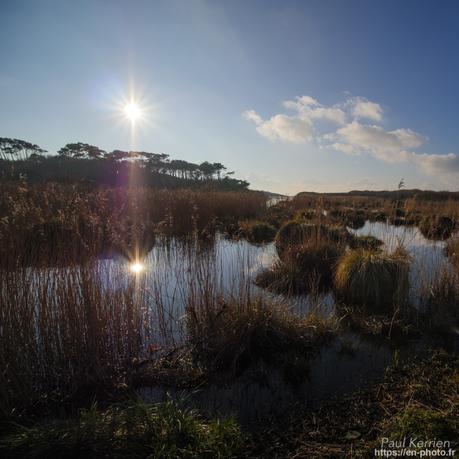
<point>373,279</point>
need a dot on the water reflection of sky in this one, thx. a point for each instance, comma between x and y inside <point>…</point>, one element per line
<point>173,271</point>
<point>428,257</point>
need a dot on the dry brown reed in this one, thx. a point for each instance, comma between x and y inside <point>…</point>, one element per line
<point>72,221</point>
<point>66,331</point>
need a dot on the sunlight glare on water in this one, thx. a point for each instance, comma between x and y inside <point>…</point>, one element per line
<point>136,267</point>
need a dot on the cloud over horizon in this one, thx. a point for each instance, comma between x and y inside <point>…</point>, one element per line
<point>350,127</point>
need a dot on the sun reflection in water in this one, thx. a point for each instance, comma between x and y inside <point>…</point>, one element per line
<point>136,267</point>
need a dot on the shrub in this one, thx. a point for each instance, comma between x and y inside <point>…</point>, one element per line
<point>258,232</point>
<point>374,280</point>
<point>135,430</point>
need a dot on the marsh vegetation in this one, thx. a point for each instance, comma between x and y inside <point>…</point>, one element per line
<point>111,294</point>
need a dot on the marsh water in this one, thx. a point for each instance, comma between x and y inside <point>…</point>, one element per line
<point>174,270</point>
<point>348,362</point>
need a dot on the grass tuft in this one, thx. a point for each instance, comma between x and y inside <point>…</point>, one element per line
<point>301,268</point>
<point>437,227</point>
<point>296,232</point>
<point>372,279</point>
<point>366,242</point>
<point>236,336</point>
<point>257,231</point>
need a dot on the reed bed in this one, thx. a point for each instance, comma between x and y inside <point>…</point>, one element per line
<point>74,332</point>
<point>76,221</point>
<point>72,326</point>
<point>66,331</point>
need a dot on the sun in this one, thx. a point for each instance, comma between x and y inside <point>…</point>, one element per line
<point>136,267</point>
<point>132,111</point>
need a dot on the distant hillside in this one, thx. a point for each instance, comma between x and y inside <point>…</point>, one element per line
<point>271,195</point>
<point>427,195</point>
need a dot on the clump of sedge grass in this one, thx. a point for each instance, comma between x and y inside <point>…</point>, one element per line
<point>438,227</point>
<point>132,430</point>
<point>296,233</point>
<point>235,336</point>
<point>301,267</point>
<point>258,231</point>
<point>372,279</point>
<point>377,216</point>
<point>366,242</point>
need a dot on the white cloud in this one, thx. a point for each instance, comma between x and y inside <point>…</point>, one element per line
<point>308,108</point>
<point>356,138</point>
<point>434,164</point>
<point>336,115</point>
<point>252,115</point>
<point>307,100</point>
<point>392,147</point>
<point>363,108</point>
<point>282,127</point>
<point>353,136</point>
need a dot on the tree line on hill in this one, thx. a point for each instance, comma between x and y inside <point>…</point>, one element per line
<point>81,162</point>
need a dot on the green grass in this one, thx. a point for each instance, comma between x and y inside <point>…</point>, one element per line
<point>419,400</point>
<point>133,430</point>
<point>423,423</point>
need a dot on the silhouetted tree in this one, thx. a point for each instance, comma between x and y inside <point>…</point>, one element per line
<point>81,151</point>
<point>83,162</point>
<point>16,149</point>
<point>207,170</point>
<point>219,168</point>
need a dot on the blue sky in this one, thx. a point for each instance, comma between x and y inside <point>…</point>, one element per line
<point>292,95</point>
